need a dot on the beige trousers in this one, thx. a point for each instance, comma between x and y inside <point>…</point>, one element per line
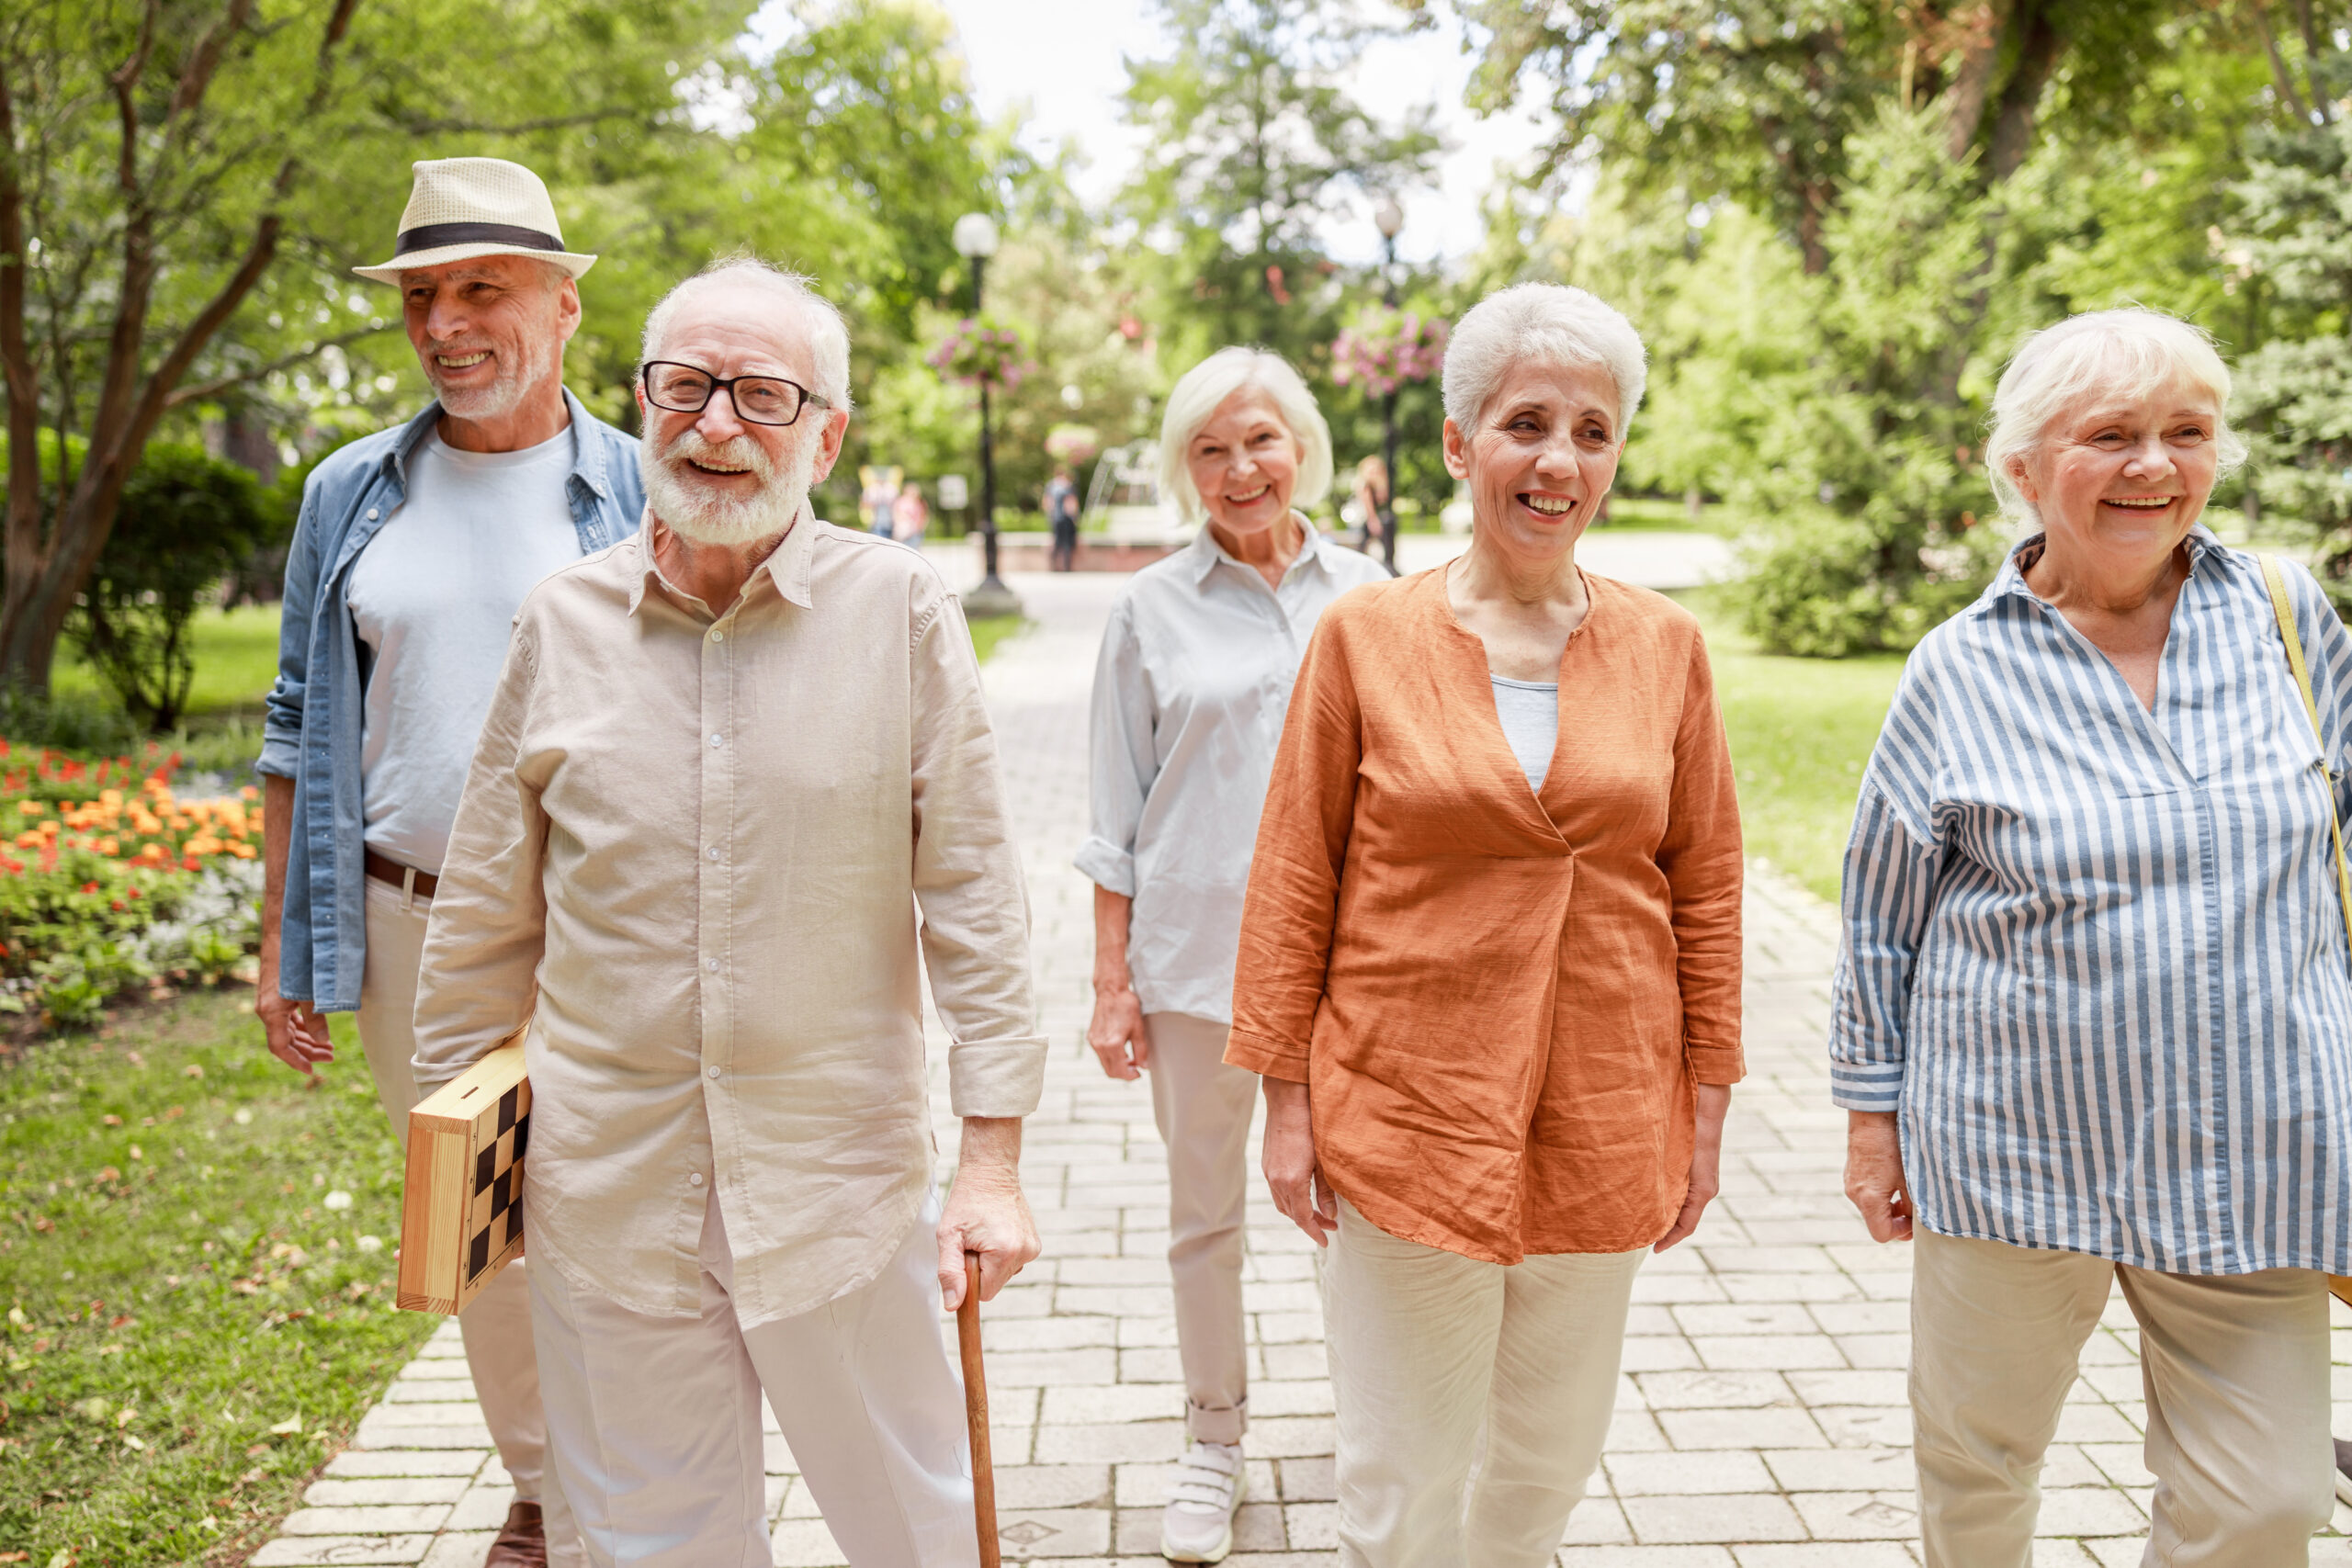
<point>656,1420</point>
<point>497,1324</point>
<point>1203,1107</point>
<point>2235,1367</point>
<point>1440,1362</point>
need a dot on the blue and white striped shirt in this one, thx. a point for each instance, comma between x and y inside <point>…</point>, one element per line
<point>2094,954</point>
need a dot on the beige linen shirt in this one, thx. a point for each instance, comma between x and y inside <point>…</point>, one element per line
<point>699,845</point>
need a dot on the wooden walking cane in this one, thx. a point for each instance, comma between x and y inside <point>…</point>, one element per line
<point>976,1413</point>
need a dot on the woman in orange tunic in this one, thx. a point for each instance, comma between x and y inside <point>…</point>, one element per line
<point>1490,962</point>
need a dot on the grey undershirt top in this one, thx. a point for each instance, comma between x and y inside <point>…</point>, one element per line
<point>1530,714</point>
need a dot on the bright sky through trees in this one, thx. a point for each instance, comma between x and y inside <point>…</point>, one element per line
<point>1061,59</point>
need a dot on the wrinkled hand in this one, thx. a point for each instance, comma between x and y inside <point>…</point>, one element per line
<point>1292,1171</point>
<point>1116,1030</point>
<point>296,1030</point>
<point>985,1212</point>
<point>1706,1163</point>
<point>1874,1181</point>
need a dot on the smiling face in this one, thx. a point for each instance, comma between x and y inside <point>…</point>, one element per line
<point>1244,461</point>
<point>490,331</point>
<point>1540,457</point>
<point>2125,478</point>
<point>718,480</point>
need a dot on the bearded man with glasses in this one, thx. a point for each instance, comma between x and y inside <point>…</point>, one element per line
<point>728,762</point>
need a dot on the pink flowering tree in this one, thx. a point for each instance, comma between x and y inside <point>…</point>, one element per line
<point>1385,347</point>
<point>980,353</point>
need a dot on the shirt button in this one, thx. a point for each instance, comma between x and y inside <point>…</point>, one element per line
<point>719,636</point>
<point>714,1072</point>
<point>371,514</point>
<point>717,740</point>
<point>713,966</point>
<point>695,1179</point>
<point>713,851</point>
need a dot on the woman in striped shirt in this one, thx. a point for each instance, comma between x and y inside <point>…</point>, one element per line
<point>2093,1013</point>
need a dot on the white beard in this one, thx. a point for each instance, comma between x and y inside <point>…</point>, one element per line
<point>695,514</point>
<point>541,358</point>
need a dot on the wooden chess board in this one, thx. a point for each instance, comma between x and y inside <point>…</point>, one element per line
<point>461,1209</point>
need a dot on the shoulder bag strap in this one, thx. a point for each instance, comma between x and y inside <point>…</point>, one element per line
<point>2277,580</point>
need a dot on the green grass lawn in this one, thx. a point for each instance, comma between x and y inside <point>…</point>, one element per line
<point>236,659</point>
<point>1801,730</point>
<point>991,630</point>
<point>197,1316</point>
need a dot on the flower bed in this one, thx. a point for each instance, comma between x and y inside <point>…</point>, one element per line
<point>110,880</point>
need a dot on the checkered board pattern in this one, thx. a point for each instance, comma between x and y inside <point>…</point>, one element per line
<point>494,1226</point>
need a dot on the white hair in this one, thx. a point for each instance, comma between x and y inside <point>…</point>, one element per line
<point>1548,323</point>
<point>828,335</point>
<point>2129,354</point>
<point>1195,399</point>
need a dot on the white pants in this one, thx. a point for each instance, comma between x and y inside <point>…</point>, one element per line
<point>497,1323</point>
<point>1203,1107</point>
<point>2236,1369</point>
<point>1435,1356</point>
<point>655,1421</point>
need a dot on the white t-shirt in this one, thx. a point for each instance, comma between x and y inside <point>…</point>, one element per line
<point>1530,714</point>
<point>433,596</point>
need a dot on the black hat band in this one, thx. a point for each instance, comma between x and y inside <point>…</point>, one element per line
<point>433,236</point>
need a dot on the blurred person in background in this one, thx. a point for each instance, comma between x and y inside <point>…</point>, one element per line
<point>1061,514</point>
<point>910,516</point>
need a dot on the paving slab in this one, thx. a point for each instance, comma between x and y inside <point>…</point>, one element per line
<point>1760,1419</point>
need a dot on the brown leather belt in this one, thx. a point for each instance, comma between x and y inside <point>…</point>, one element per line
<point>383,868</point>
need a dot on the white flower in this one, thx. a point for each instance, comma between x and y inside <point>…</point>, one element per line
<point>338,1198</point>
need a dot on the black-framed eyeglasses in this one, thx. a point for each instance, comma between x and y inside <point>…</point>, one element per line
<point>758,399</point>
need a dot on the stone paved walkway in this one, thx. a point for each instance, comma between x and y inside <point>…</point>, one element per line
<point>1761,1420</point>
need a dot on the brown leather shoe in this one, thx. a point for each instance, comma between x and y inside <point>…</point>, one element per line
<point>523,1543</point>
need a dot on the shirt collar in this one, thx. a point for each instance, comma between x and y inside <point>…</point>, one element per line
<point>1205,552</point>
<point>588,465</point>
<point>2202,547</point>
<point>791,565</point>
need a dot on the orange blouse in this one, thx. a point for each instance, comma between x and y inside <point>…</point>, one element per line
<point>1502,1002</point>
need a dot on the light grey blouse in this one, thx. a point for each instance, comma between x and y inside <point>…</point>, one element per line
<point>1190,692</point>
<point>1530,714</point>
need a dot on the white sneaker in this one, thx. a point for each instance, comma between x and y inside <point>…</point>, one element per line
<point>1198,1524</point>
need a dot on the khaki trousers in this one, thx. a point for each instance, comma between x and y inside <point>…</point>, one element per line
<point>1203,1106</point>
<point>2236,1369</point>
<point>497,1324</point>
<point>655,1421</point>
<point>1440,1361</point>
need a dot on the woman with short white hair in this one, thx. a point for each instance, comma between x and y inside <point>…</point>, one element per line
<point>1490,963</point>
<point>2092,1019</point>
<point>1189,695</point>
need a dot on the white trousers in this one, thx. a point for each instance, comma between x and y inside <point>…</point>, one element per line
<point>1435,1358</point>
<point>1203,1107</point>
<point>497,1324</point>
<point>2236,1369</point>
<point>655,1421</point>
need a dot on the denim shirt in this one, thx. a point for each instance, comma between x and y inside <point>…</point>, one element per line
<point>310,733</point>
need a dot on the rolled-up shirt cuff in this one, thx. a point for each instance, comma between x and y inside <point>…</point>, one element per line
<point>1866,1086</point>
<point>997,1077</point>
<point>1107,865</point>
<point>1267,1057</point>
<point>280,755</point>
<point>1715,1063</point>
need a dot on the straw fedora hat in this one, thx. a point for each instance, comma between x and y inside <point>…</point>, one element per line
<point>464,208</point>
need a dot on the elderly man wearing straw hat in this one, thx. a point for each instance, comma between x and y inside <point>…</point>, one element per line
<point>415,547</point>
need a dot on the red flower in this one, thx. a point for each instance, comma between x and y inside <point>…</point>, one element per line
<point>89,887</point>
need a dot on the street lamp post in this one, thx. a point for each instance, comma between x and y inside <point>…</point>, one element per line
<point>975,241</point>
<point>1391,219</point>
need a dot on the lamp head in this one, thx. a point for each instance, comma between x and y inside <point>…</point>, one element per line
<point>1388,216</point>
<point>975,235</point>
